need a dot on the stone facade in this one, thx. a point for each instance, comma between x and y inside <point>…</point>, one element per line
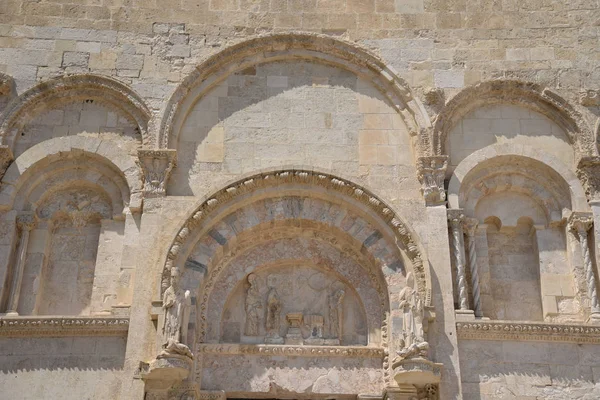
<point>328,199</point>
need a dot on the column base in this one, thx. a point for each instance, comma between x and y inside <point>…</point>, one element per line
<point>594,319</point>
<point>465,315</point>
<point>12,314</point>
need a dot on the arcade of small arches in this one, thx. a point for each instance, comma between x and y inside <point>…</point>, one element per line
<point>300,261</point>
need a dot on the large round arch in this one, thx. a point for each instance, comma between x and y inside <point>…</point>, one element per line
<point>289,46</point>
<point>529,95</point>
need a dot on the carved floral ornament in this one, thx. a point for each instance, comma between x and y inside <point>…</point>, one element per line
<point>156,166</point>
<point>63,326</point>
<point>431,172</point>
<point>528,331</point>
<point>588,172</point>
<point>402,232</point>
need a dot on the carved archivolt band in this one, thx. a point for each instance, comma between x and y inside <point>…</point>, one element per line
<point>528,331</point>
<point>63,326</point>
<point>329,182</point>
<point>283,350</point>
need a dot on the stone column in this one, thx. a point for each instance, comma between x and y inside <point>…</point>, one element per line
<point>470,229</point>
<point>25,223</point>
<point>156,167</point>
<point>580,224</point>
<point>431,172</point>
<point>456,218</point>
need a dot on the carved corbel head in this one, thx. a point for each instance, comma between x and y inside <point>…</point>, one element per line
<point>431,171</point>
<point>156,167</point>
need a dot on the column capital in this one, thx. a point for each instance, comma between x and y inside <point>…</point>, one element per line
<point>156,167</point>
<point>431,171</point>
<point>456,217</point>
<point>588,172</point>
<point>26,221</point>
<point>580,222</point>
<point>470,226</point>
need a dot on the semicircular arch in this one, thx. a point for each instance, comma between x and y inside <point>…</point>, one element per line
<point>289,46</point>
<point>525,94</point>
<point>37,164</point>
<point>66,90</point>
<point>554,176</point>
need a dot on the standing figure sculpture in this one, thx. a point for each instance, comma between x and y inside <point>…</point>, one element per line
<point>335,314</point>
<point>176,305</point>
<point>413,342</point>
<point>273,314</point>
<point>253,307</point>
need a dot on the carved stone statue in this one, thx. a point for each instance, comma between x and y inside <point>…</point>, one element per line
<point>413,342</point>
<point>254,307</point>
<point>273,313</point>
<point>335,314</point>
<point>176,305</point>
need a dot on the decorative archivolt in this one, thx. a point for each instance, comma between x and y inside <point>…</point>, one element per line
<point>529,95</point>
<point>301,181</point>
<point>544,174</point>
<point>67,90</point>
<point>289,46</point>
<point>56,162</point>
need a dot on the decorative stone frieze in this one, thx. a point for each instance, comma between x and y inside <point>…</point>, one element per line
<point>431,172</point>
<point>63,326</point>
<point>6,157</point>
<point>156,167</point>
<point>530,331</point>
<point>588,172</point>
<point>285,350</point>
<point>212,395</point>
<point>580,224</point>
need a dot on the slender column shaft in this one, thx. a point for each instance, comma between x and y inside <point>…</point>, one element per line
<point>456,218</point>
<point>470,230</point>
<point>580,224</point>
<point>25,223</point>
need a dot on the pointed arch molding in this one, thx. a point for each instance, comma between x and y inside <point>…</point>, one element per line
<point>102,89</point>
<point>290,46</point>
<point>404,237</point>
<point>525,94</point>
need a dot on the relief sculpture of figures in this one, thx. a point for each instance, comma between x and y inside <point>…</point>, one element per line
<point>335,314</point>
<point>413,343</point>
<point>176,305</point>
<point>273,314</point>
<point>254,307</point>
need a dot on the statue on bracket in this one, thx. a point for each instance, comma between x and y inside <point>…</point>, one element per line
<point>412,342</point>
<point>254,307</point>
<point>176,305</point>
<point>273,314</point>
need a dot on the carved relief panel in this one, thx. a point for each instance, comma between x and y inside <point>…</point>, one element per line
<point>293,305</point>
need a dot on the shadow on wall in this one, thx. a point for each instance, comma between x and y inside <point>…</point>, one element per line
<point>286,113</point>
<point>19,354</point>
<point>511,370</point>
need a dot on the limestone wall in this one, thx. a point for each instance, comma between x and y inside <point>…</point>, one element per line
<point>363,139</point>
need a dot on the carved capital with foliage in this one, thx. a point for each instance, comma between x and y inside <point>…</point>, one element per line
<point>156,167</point>
<point>580,222</point>
<point>431,173</point>
<point>588,172</point>
<point>456,217</point>
<point>26,222</point>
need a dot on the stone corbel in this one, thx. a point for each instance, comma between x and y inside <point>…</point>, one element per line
<point>431,171</point>
<point>6,157</point>
<point>588,172</point>
<point>156,167</point>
